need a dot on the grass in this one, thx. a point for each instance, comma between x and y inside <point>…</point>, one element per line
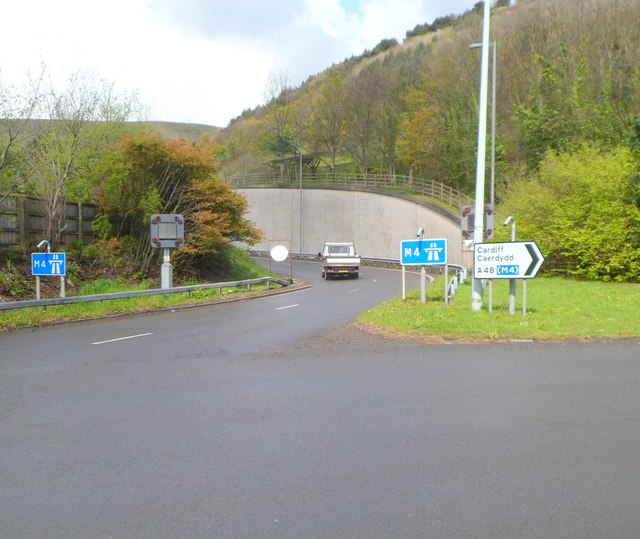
<point>38,316</point>
<point>556,309</point>
<point>237,263</point>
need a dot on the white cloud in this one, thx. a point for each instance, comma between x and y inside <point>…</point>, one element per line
<point>201,61</point>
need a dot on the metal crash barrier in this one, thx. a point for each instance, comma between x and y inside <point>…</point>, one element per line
<point>137,293</point>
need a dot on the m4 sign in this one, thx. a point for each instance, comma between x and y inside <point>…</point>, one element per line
<point>423,252</point>
<point>49,264</point>
<point>513,260</point>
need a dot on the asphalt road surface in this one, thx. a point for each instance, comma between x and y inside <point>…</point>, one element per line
<point>273,418</point>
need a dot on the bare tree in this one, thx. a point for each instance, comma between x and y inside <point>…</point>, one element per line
<point>17,108</point>
<point>363,115</point>
<point>326,130</point>
<point>280,115</point>
<point>77,118</point>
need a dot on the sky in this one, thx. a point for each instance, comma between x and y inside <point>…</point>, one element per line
<point>199,61</point>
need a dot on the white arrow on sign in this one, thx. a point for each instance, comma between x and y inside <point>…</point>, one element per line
<point>513,260</point>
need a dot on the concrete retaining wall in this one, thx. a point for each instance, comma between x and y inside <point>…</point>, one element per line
<point>376,222</point>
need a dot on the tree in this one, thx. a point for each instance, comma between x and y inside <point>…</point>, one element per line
<point>215,217</point>
<point>17,108</point>
<point>439,130</point>
<point>567,107</point>
<point>151,175</point>
<point>78,119</point>
<point>326,128</point>
<point>362,112</point>
<point>281,136</point>
<point>419,29</point>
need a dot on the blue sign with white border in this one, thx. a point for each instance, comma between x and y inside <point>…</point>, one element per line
<point>423,252</point>
<point>49,264</point>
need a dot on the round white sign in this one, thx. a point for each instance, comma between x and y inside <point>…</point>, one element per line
<point>279,253</point>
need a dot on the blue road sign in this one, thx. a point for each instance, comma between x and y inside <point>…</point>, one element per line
<point>423,252</point>
<point>48,263</point>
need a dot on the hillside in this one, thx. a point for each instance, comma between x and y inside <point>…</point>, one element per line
<point>171,130</point>
<point>412,107</point>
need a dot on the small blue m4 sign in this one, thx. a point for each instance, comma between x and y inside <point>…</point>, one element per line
<point>423,252</point>
<point>48,263</point>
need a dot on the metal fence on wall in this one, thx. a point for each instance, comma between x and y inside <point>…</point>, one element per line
<point>429,188</point>
<point>23,225</point>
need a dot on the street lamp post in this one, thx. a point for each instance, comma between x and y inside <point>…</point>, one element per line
<point>301,210</point>
<point>493,119</point>
<point>478,225</point>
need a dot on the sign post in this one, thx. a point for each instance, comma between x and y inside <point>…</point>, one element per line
<point>512,283</point>
<point>51,265</point>
<point>423,252</point>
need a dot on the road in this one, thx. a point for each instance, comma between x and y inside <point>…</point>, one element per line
<point>274,418</point>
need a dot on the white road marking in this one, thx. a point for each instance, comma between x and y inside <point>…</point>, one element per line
<point>287,307</point>
<point>123,338</point>
<point>354,290</point>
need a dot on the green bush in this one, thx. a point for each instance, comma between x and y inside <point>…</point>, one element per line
<point>580,209</point>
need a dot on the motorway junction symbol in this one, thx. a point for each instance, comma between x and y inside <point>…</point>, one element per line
<point>48,264</point>
<point>423,252</point>
<point>512,260</point>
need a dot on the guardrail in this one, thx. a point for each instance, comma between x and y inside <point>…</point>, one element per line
<point>460,273</point>
<point>136,293</point>
<point>429,188</point>
<point>458,278</point>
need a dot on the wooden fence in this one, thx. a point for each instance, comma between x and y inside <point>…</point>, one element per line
<point>23,226</point>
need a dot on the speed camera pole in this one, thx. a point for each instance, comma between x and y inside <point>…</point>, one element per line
<point>166,233</point>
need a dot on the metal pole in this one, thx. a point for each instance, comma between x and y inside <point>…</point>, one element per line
<point>493,119</point>
<point>478,228</point>
<point>423,285</point>
<point>490,306</point>
<point>512,282</point>
<point>493,150</point>
<point>493,125</point>
<point>404,285</point>
<point>301,212</point>
<point>166,270</point>
<point>43,243</point>
<point>446,284</point>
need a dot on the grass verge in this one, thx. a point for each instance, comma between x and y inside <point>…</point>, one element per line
<point>556,309</point>
<point>237,264</point>
<point>38,316</point>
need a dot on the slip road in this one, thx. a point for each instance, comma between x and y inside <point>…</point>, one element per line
<point>274,418</point>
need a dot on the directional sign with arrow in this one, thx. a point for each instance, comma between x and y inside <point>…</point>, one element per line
<point>513,260</point>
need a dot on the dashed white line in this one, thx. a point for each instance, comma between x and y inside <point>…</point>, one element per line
<point>123,338</point>
<point>287,307</point>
